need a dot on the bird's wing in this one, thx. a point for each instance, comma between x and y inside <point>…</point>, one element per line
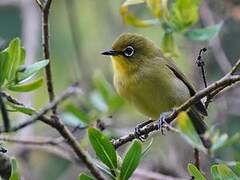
<point>199,105</point>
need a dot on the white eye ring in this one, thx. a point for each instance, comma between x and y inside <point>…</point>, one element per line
<point>128,51</point>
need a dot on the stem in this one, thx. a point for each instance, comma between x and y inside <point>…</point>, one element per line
<point>197,158</point>
<point>46,53</point>
<point>6,121</point>
<point>200,63</point>
<point>61,128</point>
<point>226,81</point>
<point>69,92</point>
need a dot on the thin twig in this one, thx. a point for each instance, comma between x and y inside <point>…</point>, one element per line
<point>16,102</point>
<point>6,121</point>
<point>69,92</point>
<point>11,99</point>
<point>197,158</point>
<point>46,53</point>
<point>147,174</point>
<point>234,70</point>
<point>63,130</point>
<point>59,126</point>
<point>201,64</point>
<point>223,82</point>
<point>39,141</point>
<point>208,20</point>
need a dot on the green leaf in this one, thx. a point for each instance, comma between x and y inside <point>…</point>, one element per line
<point>236,168</point>
<point>107,93</point>
<point>103,86</point>
<point>155,6</point>
<point>168,44</point>
<point>83,176</point>
<point>103,148</point>
<point>222,172</point>
<point>203,34</point>
<point>22,109</point>
<point>103,168</point>
<point>184,14</point>
<point>15,174</point>
<point>72,120</point>
<point>4,58</point>
<point>219,143</point>
<point>225,141</point>
<point>98,102</point>
<point>29,71</point>
<point>193,171</point>
<point>82,116</point>
<point>132,2</point>
<point>131,160</point>
<point>131,19</point>
<point>23,56</point>
<point>27,86</point>
<point>187,130</point>
<point>232,140</point>
<point>14,51</point>
<point>147,148</point>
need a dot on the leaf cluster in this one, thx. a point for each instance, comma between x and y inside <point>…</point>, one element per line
<point>174,17</point>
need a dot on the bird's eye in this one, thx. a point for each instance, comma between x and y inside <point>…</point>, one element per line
<point>128,51</point>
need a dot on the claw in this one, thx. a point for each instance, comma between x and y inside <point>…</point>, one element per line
<point>138,128</point>
<point>162,124</point>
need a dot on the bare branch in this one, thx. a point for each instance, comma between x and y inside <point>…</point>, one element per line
<point>6,121</point>
<point>215,44</point>
<point>39,3</point>
<point>235,68</point>
<point>57,124</point>
<point>11,99</point>
<point>31,140</point>
<point>46,52</point>
<point>69,92</point>
<point>146,174</point>
<point>224,82</point>
<point>63,130</point>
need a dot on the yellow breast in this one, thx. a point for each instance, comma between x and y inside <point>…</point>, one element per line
<point>150,92</point>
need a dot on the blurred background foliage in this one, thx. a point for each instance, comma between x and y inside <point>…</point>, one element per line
<point>80,30</point>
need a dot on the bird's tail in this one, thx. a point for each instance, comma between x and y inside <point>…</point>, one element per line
<point>200,126</point>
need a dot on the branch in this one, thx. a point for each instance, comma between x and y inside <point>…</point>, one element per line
<point>6,121</point>
<point>12,100</point>
<point>215,44</point>
<point>62,129</point>
<point>235,68</point>
<point>224,82</point>
<point>39,141</point>
<point>39,115</point>
<point>233,71</point>
<point>45,7</point>
<point>146,174</point>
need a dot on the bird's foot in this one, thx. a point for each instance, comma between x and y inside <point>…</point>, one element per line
<point>139,127</point>
<point>162,124</point>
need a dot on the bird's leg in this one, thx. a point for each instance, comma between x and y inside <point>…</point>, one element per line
<point>139,126</point>
<point>162,124</point>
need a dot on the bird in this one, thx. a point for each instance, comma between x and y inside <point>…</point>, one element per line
<point>152,82</point>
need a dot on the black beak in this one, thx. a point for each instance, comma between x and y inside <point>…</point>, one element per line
<point>110,52</point>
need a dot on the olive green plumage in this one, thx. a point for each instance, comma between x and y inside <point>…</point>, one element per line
<point>150,81</point>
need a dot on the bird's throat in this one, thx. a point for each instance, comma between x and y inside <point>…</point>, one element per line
<point>120,66</point>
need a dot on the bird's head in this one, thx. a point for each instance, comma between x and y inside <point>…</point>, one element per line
<point>130,52</point>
